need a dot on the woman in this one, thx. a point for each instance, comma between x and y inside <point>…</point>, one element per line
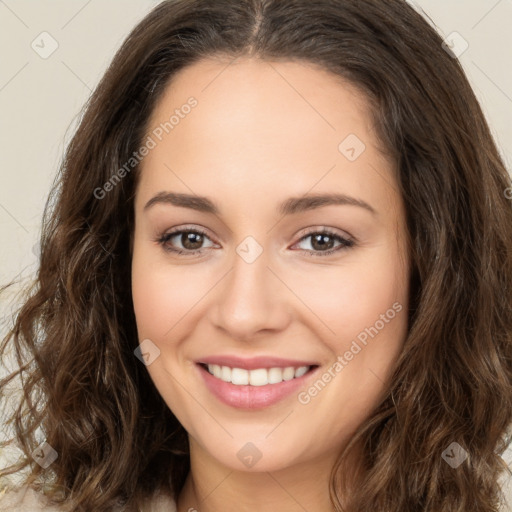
<point>277,274</point>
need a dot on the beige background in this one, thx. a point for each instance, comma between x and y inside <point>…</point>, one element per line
<point>40,99</point>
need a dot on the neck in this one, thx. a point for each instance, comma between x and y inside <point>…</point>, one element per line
<point>211,487</point>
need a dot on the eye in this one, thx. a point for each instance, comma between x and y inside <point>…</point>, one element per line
<point>191,241</point>
<point>322,242</point>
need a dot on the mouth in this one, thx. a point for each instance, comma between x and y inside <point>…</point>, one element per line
<point>258,376</point>
<point>257,387</point>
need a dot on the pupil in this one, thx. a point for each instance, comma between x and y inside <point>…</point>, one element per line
<point>188,238</point>
<point>321,240</point>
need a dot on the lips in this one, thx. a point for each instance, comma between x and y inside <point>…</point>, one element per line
<point>253,383</point>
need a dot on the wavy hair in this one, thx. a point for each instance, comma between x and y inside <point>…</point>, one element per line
<point>74,336</point>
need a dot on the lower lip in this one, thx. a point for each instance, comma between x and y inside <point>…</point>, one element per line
<point>252,397</point>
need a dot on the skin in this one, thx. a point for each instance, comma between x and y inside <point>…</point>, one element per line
<point>261,133</point>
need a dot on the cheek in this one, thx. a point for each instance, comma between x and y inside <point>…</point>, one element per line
<point>353,296</point>
<point>160,301</point>
<point>162,297</point>
<point>163,293</point>
<point>150,295</point>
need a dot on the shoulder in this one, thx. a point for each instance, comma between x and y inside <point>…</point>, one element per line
<point>506,479</point>
<point>28,500</point>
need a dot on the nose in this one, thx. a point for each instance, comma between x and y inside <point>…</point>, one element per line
<point>251,300</point>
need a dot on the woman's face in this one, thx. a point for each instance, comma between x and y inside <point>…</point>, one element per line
<point>272,171</point>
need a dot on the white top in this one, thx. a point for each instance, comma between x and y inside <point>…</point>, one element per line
<point>27,500</point>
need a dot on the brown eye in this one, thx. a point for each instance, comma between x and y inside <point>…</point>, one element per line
<point>184,241</point>
<point>320,242</point>
<point>191,240</point>
<point>323,243</point>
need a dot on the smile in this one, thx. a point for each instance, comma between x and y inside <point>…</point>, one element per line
<point>257,377</point>
<point>257,386</point>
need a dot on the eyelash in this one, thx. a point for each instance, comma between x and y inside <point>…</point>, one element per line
<point>345,243</point>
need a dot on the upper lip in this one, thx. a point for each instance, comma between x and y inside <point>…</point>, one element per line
<point>253,363</point>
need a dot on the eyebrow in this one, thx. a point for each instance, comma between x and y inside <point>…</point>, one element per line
<point>290,206</point>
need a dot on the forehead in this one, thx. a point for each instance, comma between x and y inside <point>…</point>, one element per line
<point>276,125</point>
<point>264,97</point>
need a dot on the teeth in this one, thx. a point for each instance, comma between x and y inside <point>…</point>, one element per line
<point>299,372</point>
<point>239,376</point>
<point>225,373</point>
<point>275,375</point>
<point>259,377</point>
<point>289,373</point>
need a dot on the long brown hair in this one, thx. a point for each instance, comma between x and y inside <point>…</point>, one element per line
<point>74,337</point>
